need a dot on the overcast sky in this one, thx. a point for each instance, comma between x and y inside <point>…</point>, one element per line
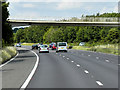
<point>53,9</point>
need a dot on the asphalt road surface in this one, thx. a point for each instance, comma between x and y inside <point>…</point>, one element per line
<point>74,69</point>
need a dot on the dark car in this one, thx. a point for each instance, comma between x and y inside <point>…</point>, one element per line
<point>18,45</point>
<point>35,46</point>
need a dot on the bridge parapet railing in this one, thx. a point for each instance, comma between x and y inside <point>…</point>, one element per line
<point>95,19</point>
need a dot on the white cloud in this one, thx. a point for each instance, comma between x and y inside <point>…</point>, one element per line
<point>28,5</point>
<point>26,15</point>
<point>106,10</point>
<point>109,10</point>
<point>115,9</point>
<point>68,5</point>
<point>88,8</point>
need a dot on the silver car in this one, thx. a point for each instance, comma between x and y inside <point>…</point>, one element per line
<point>43,48</point>
<point>61,46</point>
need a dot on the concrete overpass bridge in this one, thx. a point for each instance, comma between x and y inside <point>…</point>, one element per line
<point>15,23</point>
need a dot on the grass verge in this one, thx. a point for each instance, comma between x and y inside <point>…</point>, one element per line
<point>7,53</point>
<point>28,44</point>
<point>110,49</point>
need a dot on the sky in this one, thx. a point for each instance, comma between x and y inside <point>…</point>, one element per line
<point>58,9</point>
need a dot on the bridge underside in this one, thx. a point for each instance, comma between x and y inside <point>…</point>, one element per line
<point>114,24</point>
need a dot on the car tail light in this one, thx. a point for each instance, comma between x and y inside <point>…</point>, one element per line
<point>47,48</point>
<point>40,48</point>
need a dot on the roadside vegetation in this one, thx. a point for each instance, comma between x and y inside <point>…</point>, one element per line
<point>106,17</point>
<point>7,50</point>
<point>109,48</point>
<point>28,44</point>
<point>7,33</point>
<point>93,35</point>
<point>99,39</point>
<point>7,53</point>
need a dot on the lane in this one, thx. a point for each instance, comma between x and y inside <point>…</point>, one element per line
<point>56,72</point>
<point>15,72</point>
<point>106,72</point>
<point>112,58</point>
<point>75,69</point>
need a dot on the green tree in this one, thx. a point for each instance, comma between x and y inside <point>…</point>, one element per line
<point>48,35</point>
<point>113,35</point>
<point>7,34</point>
<point>57,36</point>
<point>19,36</point>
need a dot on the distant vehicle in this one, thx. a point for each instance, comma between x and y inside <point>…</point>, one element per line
<point>39,45</point>
<point>70,47</point>
<point>50,45</point>
<point>61,46</point>
<point>35,46</point>
<point>54,46</point>
<point>18,45</point>
<point>43,48</point>
<point>81,43</point>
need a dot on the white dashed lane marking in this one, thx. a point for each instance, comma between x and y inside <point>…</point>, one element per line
<point>67,58</point>
<point>99,83</point>
<point>78,65</point>
<point>72,61</point>
<point>88,55</point>
<point>107,60</point>
<point>86,71</point>
<point>63,56</point>
<point>97,57</point>
<point>56,53</point>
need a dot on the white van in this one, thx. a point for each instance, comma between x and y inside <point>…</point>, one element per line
<point>61,46</point>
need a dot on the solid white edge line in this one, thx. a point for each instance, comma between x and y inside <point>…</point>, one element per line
<point>9,60</point>
<point>32,72</point>
<point>99,83</point>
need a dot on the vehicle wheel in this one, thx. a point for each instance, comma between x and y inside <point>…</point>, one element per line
<point>48,51</point>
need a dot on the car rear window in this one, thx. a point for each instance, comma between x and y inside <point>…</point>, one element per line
<point>45,45</point>
<point>62,44</point>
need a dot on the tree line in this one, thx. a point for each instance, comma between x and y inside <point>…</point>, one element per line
<point>7,33</point>
<point>104,15</point>
<point>70,34</point>
<point>111,17</point>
